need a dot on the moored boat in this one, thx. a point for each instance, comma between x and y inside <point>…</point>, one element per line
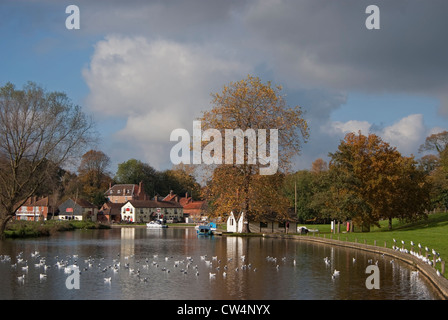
<point>156,224</point>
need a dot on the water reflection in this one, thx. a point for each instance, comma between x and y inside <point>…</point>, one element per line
<point>176,264</point>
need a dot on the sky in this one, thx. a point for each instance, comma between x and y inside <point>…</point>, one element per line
<point>144,68</point>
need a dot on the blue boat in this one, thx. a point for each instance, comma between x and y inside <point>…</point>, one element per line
<point>205,229</point>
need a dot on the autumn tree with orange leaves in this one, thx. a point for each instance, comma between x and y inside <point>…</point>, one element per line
<point>252,104</point>
<point>378,180</point>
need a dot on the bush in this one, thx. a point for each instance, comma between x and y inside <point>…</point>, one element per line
<point>21,229</point>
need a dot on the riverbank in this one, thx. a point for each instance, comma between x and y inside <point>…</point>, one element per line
<point>29,229</point>
<point>439,282</point>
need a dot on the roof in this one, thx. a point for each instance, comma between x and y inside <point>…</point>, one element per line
<point>194,205</point>
<point>111,208</point>
<point>153,204</point>
<point>122,190</point>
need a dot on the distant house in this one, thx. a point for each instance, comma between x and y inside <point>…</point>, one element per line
<point>193,209</point>
<point>78,209</point>
<point>35,209</point>
<point>268,224</point>
<point>142,211</point>
<point>110,212</point>
<point>120,193</point>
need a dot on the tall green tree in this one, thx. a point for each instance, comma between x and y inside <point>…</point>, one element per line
<point>299,189</point>
<point>134,171</point>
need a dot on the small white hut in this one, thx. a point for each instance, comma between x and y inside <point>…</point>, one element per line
<point>235,224</point>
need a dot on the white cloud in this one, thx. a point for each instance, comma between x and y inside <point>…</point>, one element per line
<point>350,126</point>
<point>157,86</point>
<point>407,134</point>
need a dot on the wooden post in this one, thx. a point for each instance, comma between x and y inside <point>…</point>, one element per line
<point>443,266</point>
<point>374,243</point>
<point>385,244</point>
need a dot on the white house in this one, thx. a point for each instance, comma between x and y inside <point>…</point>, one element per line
<point>147,210</point>
<point>231,223</point>
<point>272,224</point>
<point>235,224</point>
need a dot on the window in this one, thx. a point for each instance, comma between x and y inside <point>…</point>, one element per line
<point>263,225</point>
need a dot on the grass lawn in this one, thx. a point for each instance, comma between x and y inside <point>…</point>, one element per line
<point>432,232</point>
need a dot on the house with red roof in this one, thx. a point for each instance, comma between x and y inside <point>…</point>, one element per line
<point>35,209</point>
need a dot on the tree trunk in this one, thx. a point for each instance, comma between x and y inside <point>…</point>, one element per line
<point>390,223</point>
<point>365,227</point>
<point>3,223</point>
<point>245,228</point>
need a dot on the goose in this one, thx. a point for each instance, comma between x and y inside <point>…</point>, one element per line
<point>42,276</point>
<point>211,275</point>
<point>108,280</point>
<point>21,278</point>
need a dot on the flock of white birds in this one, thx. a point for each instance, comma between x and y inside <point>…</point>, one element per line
<point>214,266</point>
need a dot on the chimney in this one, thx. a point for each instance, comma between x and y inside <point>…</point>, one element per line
<point>140,188</point>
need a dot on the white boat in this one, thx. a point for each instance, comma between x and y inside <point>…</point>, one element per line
<point>156,224</point>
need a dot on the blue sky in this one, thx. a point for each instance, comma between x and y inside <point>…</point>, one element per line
<point>144,68</point>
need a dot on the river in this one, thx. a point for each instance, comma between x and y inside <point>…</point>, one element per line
<point>176,264</point>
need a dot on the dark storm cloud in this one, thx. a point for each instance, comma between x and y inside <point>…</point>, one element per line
<point>326,43</point>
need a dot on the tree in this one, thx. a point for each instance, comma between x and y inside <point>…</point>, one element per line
<point>436,165</point>
<point>318,166</point>
<point>299,189</point>
<point>383,183</point>
<point>94,176</point>
<point>39,131</point>
<point>249,105</point>
<point>180,180</point>
<point>135,171</point>
<point>436,141</point>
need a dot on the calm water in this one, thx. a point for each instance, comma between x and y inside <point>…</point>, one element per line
<point>137,261</point>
